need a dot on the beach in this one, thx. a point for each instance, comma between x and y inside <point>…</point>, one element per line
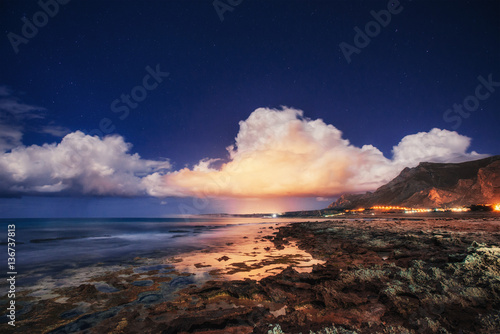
<point>353,274</point>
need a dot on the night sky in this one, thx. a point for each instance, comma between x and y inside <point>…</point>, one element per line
<point>168,83</point>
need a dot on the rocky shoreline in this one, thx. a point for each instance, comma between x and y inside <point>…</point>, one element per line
<point>383,276</point>
<point>392,275</point>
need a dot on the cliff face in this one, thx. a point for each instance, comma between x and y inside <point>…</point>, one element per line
<point>434,185</point>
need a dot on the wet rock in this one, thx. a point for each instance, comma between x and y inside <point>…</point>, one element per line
<point>143,283</point>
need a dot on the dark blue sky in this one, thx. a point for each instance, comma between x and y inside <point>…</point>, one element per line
<point>263,54</point>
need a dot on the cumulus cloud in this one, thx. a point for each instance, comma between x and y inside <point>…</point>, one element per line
<point>436,146</point>
<point>79,164</point>
<point>276,153</point>
<point>282,153</point>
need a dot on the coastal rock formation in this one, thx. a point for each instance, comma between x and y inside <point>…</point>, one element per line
<point>434,185</point>
<point>393,275</point>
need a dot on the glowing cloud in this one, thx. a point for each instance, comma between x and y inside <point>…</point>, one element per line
<point>281,153</point>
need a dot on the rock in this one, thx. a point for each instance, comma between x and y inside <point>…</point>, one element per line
<point>432,185</point>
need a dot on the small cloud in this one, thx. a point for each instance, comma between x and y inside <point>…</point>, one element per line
<point>205,165</point>
<point>16,116</point>
<point>14,106</point>
<point>10,137</point>
<point>163,202</point>
<point>54,130</point>
<point>13,115</point>
<point>50,188</point>
<point>323,199</point>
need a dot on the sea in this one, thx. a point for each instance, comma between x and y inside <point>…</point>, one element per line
<point>54,256</point>
<point>46,247</point>
<point>68,241</point>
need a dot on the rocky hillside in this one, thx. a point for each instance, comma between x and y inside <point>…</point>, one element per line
<point>434,185</point>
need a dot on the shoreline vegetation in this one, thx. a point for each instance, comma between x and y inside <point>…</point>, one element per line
<point>382,274</point>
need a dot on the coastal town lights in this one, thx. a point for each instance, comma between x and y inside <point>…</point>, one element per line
<point>420,210</point>
<point>382,207</point>
<point>355,210</point>
<point>459,209</point>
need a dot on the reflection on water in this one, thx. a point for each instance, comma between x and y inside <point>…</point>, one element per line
<point>45,243</point>
<point>67,252</point>
<point>243,252</point>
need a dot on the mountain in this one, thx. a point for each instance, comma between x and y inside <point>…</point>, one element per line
<point>431,185</point>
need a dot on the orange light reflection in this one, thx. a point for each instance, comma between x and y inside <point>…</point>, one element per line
<point>242,252</point>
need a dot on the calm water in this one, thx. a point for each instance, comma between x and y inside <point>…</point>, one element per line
<point>56,243</point>
<point>64,253</point>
